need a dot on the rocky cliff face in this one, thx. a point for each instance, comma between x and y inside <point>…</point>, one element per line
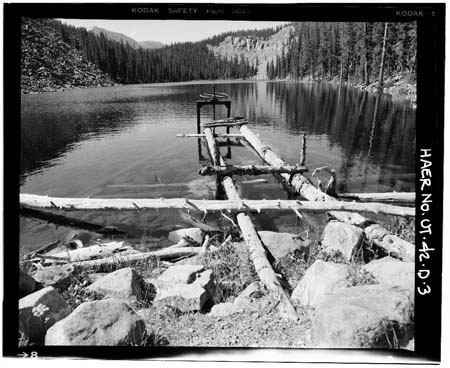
<point>257,51</point>
<point>49,64</point>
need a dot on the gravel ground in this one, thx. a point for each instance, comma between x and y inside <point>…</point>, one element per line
<point>247,329</point>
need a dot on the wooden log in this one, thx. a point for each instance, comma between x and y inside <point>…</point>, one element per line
<point>226,135</point>
<point>45,248</point>
<point>225,124</point>
<point>212,147</point>
<point>404,197</point>
<point>155,185</point>
<point>254,181</point>
<point>257,252</point>
<point>63,220</point>
<point>309,192</point>
<point>163,254</point>
<point>94,251</point>
<point>303,151</point>
<point>249,170</point>
<point>204,205</point>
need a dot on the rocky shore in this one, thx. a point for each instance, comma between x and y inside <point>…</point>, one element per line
<point>346,293</point>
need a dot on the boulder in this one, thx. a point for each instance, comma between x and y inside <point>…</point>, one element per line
<point>282,244</point>
<point>108,322</point>
<point>341,238</point>
<point>121,284</point>
<point>185,274</point>
<point>393,272</point>
<point>182,297</point>
<point>253,298</point>
<point>26,284</point>
<point>194,233</point>
<point>185,288</point>
<point>223,309</point>
<point>319,281</point>
<point>39,311</point>
<point>365,316</point>
<point>57,276</point>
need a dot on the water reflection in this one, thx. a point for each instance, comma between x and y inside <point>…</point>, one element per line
<point>368,139</point>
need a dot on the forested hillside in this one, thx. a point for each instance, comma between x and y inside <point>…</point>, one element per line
<point>345,51</point>
<point>50,64</point>
<point>178,62</point>
<point>350,51</point>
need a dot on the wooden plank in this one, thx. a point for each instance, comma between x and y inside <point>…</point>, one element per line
<point>304,187</point>
<point>250,170</point>
<point>206,205</point>
<point>256,248</point>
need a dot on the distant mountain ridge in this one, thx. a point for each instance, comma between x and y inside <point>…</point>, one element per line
<point>120,37</point>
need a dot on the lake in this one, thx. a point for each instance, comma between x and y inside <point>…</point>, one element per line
<point>100,141</point>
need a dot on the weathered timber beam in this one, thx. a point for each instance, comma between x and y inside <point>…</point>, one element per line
<point>256,248</point>
<point>212,147</point>
<point>303,186</point>
<point>193,135</point>
<point>204,205</point>
<point>404,197</point>
<point>250,170</point>
<point>224,124</point>
<point>60,219</point>
<point>163,254</point>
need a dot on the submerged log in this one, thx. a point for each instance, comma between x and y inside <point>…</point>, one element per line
<point>224,124</point>
<point>250,170</point>
<point>404,197</point>
<point>204,205</point>
<point>226,135</point>
<point>257,252</point>
<point>163,254</point>
<point>303,186</point>
<point>60,219</point>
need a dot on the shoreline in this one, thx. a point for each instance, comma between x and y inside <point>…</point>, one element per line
<point>409,92</point>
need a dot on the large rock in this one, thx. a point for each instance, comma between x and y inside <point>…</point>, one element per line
<point>182,297</point>
<point>254,298</point>
<point>319,280</point>
<point>185,274</point>
<point>39,311</point>
<point>122,284</point>
<point>364,317</point>
<point>194,233</point>
<point>185,288</point>
<point>26,284</point>
<point>106,322</point>
<point>59,277</point>
<point>393,272</point>
<point>282,244</point>
<point>341,238</point>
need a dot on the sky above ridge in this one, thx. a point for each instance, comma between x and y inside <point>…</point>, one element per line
<point>170,31</point>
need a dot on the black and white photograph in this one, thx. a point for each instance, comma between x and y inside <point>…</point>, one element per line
<point>224,177</point>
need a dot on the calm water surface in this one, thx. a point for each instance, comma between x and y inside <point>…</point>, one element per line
<point>79,143</point>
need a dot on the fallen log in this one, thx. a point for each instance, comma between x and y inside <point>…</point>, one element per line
<point>94,251</point>
<point>404,197</point>
<point>257,252</point>
<point>163,254</point>
<point>63,220</point>
<point>249,170</point>
<point>303,186</point>
<point>204,205</point>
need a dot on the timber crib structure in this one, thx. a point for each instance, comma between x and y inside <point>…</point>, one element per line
<point>291,177</point>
